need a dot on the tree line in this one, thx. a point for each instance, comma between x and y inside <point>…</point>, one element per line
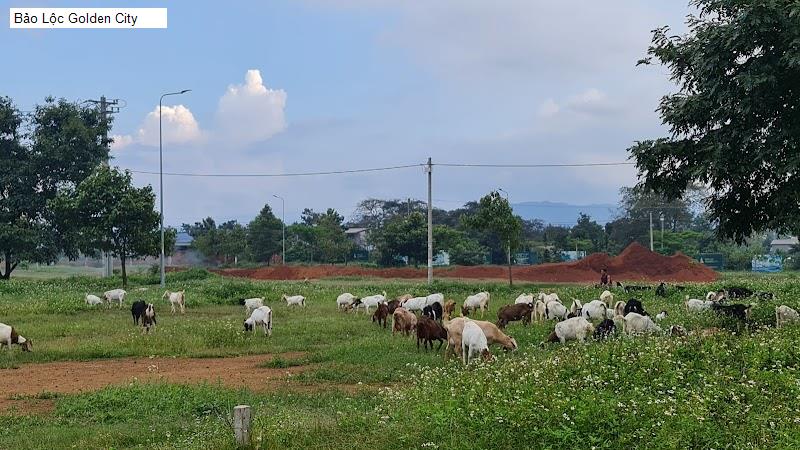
<point>59,197</point>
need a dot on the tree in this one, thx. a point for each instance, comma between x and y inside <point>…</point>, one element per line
<point>301,241</point>
<point>53,149</point>
<point>496,216</point>
<point>463,249</point>
<point>264,235</point>
<point>735,120</point>
<point>106,213</point>
<point>332,242</point>
<point>403,236</point>
<point>588,234</point>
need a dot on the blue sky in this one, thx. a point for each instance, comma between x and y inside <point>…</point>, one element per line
<point>293,86</point>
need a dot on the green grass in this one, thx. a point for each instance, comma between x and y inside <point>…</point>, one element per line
<point>726,391</point>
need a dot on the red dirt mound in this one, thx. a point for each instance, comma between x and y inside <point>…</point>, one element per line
<point>635,263</point>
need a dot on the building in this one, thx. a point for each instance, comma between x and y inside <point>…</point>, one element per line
<point>184,254</point>
<point>783,245</point>
<point>359,237</point>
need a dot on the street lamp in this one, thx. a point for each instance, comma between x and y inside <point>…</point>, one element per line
<point>283,221</point>
<point>161,178</point>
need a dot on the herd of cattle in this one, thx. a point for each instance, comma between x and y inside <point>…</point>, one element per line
<point>431,318</point>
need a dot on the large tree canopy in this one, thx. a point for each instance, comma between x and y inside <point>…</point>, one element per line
<point>735,122</point>
<point>42,153</point>
<point>106,213</point>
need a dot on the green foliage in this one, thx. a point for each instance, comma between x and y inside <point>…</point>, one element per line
<point>219,244</point>
<point>403,236</point>
<point>731,128</point>
<point>463,249</point>
<point>106,213</point>
<point>495,215</point>
<point>734,389</point>
<point>42,153</point>
<point>264,235</point>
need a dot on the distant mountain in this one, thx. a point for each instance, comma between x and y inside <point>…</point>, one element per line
<point>564,213</point>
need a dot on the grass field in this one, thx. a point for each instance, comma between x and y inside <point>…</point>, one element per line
<point>338,381</point>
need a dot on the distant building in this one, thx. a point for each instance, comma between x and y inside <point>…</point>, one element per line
<point>184,254</point>
<point>441,259</point>
<point>782,245</point>
<point>359,237</point>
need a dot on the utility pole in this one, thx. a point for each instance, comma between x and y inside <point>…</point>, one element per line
<point>662,232</point>
<point>651,231</point>
<point>283,230</point>
<point>106,107</point>
<point>429,169</point>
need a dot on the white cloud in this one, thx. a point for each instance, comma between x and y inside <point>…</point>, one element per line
<point>549,108</point>
<point>251,112</point>
<point>178,126</point>
<point>121,141</point>
<point>591,103</point>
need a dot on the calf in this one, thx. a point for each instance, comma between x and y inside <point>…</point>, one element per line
<point>137,310</point>
<point>428,330</point>
<point>511,313</point>
<point>381,314</point>
<point>434,311</point>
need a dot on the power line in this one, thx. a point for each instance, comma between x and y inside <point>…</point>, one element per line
<point>376,169</point>
<point>527,166</point>
<point>266,175</point>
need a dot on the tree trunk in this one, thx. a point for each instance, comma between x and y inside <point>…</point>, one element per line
<point>124,273</point>
<point>9,267</point>
<point>510,280</point>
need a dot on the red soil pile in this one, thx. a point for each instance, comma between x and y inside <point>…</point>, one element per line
<point>635,263</point>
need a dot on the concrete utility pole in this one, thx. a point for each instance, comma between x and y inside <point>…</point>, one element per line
<point>283,231</point>
<point>651,231</point>
<point>161,181</point>
<point>429,169</point>
<point>106,107</point>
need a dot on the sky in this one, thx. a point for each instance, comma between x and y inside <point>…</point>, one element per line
<point>325,85</point>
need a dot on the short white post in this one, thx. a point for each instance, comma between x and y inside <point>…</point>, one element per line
<point>241,425</point>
